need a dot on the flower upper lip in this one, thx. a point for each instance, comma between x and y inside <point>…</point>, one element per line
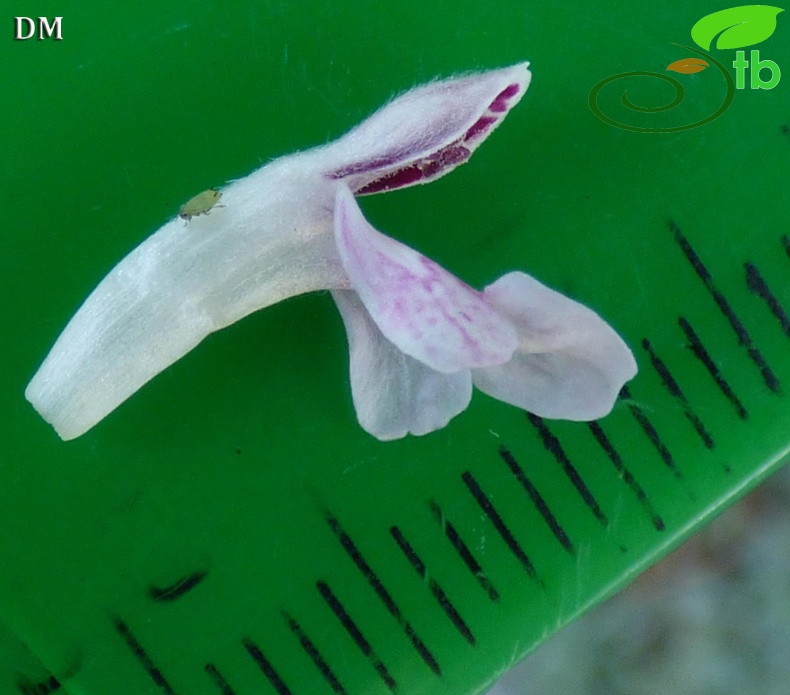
<point>418,336</point>
<point>428,131</point>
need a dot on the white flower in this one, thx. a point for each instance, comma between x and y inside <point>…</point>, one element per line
<point>418,336</point>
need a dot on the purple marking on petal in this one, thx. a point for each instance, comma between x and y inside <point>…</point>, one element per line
<point>510,91</point>
<point>420,307</point>
<point>480,127</point>
<point>500,103</point>
<point>395,179</point>
<point>430,168</point>
<point>366,165</point>
<point>450,156</point>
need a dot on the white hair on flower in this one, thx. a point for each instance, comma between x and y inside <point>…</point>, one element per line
<point>418,336</point>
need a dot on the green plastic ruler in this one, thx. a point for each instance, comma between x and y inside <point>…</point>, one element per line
<point>231,529</point>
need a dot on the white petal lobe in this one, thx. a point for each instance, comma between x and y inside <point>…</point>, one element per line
<point>394,394</point>
<point>570,363</point>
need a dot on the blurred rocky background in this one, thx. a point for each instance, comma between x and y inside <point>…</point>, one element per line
<point>712,618</point>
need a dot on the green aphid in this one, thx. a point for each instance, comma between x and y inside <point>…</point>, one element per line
<point>201,204</point>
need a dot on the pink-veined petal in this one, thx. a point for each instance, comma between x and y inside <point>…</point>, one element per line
<point>394,394</point>
<point>570,363</point>
<point>426,132</point>
<point>420,307</point>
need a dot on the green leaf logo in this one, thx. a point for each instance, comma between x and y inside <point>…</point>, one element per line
<point>739,26</point>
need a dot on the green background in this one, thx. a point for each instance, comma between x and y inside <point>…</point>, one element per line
<point>229,462</point>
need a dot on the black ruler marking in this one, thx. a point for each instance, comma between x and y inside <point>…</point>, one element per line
<point>702,354</point>
<point>464,553</point>
<point>757,285</point>
<point>356,634</point>
<point>46,687</point>
<point>627,476</point>
<point>651,432</point>
<point>177,589</point>
<point>490,511</point>
<point>312,651</point>
<point>744,339</point>
<point>142,656</point>
<point>674,389</point>
<point>268,670</point>
<point>438,593</point>
<point>554,447</point>
<point>537,500</point>
<point>384,596</point>
<point>218,679</point>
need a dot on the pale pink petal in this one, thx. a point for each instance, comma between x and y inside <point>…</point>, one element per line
<point>424,310</point>
<point>570,364</point>
<point>426,132</point>
<point>394,394</point>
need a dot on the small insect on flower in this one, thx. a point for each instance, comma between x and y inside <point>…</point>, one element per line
<point>200,204</point>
